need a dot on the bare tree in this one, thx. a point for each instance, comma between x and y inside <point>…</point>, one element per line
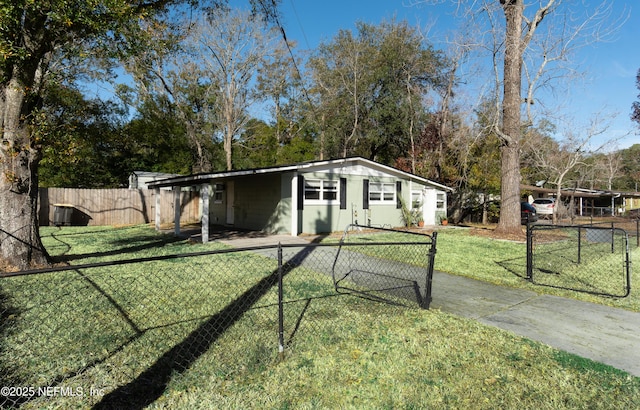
<point>166,73</point>
<point>610,164</point>
<point>526,59</point>
<point>556,159</point>
<point>231,45</point>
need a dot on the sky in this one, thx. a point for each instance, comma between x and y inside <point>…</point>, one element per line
<point>606,90</point>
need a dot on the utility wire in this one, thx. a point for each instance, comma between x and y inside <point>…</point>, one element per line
<point>276,20</point>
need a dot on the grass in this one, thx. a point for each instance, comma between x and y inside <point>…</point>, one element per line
<point>343,352</point>
<point>504,263</point>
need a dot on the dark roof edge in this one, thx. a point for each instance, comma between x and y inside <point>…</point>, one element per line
<point>197,179</point>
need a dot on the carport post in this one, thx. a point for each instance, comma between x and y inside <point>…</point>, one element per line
<point>176,209</point>
<point>204,192</point>
<point>157,213</point>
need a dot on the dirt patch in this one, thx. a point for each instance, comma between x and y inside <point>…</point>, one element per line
<point>492,234</point>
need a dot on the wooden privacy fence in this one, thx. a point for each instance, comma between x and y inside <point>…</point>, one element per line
<point>115,206</point>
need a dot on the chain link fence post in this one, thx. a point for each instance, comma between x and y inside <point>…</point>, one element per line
<point>432,258</point>
<point>280,305</point>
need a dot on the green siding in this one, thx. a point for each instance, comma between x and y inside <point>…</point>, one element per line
<point>330,218</point>
<point>261,203</point>
<point>265,202</point>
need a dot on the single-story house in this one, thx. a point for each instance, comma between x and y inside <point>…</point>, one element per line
<point>311,197</point>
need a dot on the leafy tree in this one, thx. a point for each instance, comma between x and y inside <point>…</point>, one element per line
<point>464,157</point>
<point>630,169</point>
<point>85,147</point>
<point>279,81</point>
<point>159,142</point>
<point>338,74</point>
<point>91,145</point>
<point>635,107</point>
<point>257,146</point>
<point>166,89</point>
<point>41,42</point>
<point>370,86</point>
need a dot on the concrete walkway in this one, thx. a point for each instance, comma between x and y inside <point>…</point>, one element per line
<point>600,333</point>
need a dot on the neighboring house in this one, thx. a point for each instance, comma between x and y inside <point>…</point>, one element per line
<point>631,202</point>
<point>140,179</point>
<point>591,202</point>
<point>313,197</point>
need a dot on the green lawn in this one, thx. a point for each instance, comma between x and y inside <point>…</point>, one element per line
<point>504,263</point>
<point>344,352</point>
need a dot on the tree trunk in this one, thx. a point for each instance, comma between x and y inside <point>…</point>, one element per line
<point>510,133</point>
<point>485,209</point>
<point>510,189</point>
<point>228,146</point>
<point>230,120</point>
<point>20,244</point>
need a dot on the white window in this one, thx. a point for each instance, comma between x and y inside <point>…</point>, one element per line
<point>416,199</point>
<point>320,191</point>
<point>381,192</point>
<point>218,193</point>
<point>441,200</point>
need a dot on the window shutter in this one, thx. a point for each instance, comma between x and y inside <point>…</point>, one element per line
<point>343,193</point>
<point>398,194</point>
<point>365,194</point>
<point>300,192</point>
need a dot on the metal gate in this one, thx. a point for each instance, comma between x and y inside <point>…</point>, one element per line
<point>397,264</point>
<point>590,259</point>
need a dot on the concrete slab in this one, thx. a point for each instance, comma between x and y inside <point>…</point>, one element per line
<point>472,298</point>
<point>270,240</point>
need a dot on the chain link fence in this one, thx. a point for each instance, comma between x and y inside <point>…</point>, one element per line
<point>593,259</point>
<point>630,225</point>
<point>117,333</point>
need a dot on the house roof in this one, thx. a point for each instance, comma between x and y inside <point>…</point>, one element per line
<point>150,174</point>
<point>203,178</point>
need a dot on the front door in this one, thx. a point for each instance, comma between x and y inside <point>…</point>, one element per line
<point>230,202</point>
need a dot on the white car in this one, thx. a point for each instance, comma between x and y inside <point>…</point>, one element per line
<point>544,206</point>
